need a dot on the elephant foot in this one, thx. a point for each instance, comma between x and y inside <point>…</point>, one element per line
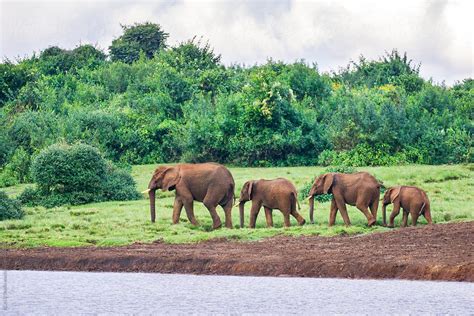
<point>390,226</point>
<point>217,225</point>
<point>302,222</point>
<point>312,222</point>
<point>371,222</point>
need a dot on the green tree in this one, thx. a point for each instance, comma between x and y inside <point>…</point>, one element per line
<point>148,38</point>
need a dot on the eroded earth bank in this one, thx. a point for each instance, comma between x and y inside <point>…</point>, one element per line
<point>437,252</point>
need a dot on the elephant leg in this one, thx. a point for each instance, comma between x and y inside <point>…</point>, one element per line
<point>254,212</point>
<point>286,219</point>
<point>332,213</point>
<point>216,221</point>
<point>427,215</point>
<point>405,219</point>
<point>269,216</point>
<point>374,207</point>
<point>177,207</point>
<point>301,221</point>
<point>395,212</point>
<point>189,207</point>
<point>365,210</point>
<point>228,214</point>
<point>342,208</point>
<point>414,218</point>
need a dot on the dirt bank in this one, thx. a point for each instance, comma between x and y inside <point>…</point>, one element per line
<point>438,252</point>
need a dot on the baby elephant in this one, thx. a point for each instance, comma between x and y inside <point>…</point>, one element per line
<point>413,200</point>
<point>278,193</point>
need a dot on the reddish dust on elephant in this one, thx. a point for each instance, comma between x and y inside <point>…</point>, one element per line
<point>278,194</point>
<point>359,189</point>
<point>209,183</point>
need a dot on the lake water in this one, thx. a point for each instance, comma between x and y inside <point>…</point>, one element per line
<point>65,293</point>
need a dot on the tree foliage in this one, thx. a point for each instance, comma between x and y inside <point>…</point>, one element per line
<point>182,104</point>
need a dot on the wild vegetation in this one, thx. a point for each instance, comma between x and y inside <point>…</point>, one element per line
<point>146,102</point>
<point>119,223</point>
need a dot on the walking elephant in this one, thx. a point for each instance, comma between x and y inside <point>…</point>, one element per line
<point>271,194</point>
<point>359,189</point>
<point>412,200</point>
<point>209,183</point>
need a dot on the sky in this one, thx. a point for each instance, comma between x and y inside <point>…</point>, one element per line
<point>438,34</point>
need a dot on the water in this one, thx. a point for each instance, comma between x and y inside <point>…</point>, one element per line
<point>38,292</point>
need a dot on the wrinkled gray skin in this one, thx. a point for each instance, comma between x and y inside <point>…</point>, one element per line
<point>209,183</point>
<point>411,199</point>
<point>359,189</point>
<point>271,194</point>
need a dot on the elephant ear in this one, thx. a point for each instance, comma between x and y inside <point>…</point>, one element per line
<point>394,193</point>
<point>327,184</point>
<point>171,177</point>
<point>249,190</point>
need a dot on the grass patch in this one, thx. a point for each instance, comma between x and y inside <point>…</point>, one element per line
<point>120,223</point>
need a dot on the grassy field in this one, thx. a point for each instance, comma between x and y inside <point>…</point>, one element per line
<point>119,223</point>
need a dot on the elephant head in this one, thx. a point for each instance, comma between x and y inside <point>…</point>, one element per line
<point>164,178</point>
<point>388,198</point>
<point>245,195</point>
<point>322,185</point>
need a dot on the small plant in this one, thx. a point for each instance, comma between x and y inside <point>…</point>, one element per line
<point>10,208</point>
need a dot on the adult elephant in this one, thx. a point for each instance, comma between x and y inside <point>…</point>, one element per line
<point>411,199</point>
<point>209,183</point>
<point>359,189</point>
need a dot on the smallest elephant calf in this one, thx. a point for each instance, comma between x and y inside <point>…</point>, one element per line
<point>412,200</point>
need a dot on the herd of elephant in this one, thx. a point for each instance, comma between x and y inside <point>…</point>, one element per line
<point>213,185</point>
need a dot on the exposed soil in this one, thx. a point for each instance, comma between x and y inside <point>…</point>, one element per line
<point>437,252</point>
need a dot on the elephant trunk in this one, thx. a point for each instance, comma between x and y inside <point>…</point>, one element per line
<point>384,215</point>
<point>241,213</point>
<point>152,205</point>
<point>311,209</point>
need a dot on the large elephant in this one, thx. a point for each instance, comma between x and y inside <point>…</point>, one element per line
<point>271,194</point>
<point>359,189</point>
<point>413,200</point>
<point>209,183</point>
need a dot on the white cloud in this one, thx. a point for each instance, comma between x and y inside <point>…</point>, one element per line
<point>436,33</point>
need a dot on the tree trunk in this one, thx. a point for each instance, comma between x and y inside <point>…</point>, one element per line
<point>311,209</point>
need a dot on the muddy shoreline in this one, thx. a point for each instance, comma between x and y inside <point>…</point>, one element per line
<point>437,252</point>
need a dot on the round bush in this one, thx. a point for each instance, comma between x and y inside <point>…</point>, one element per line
<point>9,208</point>
<point>76,174</point>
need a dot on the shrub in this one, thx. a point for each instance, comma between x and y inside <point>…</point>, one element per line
<point>76,174</point>
<point>10,208</point>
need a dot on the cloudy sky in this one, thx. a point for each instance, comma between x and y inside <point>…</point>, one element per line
<point>437,33</point>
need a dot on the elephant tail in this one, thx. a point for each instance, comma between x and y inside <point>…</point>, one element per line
<point>294,201</point>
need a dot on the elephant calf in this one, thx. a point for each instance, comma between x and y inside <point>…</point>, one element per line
<point>413,200</point>
<point>271,194</point>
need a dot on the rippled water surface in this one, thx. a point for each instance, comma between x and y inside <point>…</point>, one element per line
<point>26,292</point>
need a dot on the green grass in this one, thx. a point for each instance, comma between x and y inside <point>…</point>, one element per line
<point>119,223</point>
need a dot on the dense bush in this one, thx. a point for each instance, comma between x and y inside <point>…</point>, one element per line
<point>76,174</point>
<point>151,103</point>
<point>9,208</point>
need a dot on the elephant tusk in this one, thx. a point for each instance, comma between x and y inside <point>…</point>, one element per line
<point>236,204</point>
<point>146,191</point>
<point>309,197</point>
